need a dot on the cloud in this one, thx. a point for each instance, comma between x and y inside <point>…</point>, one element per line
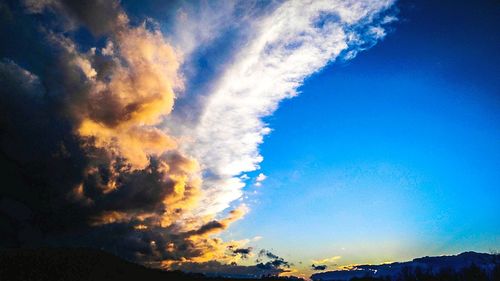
<point>287,44</point>
<point>319,267</point>
<point>143,162</point>
<point>257,238</point>
<point>244,252</point>
<point>259,179</point>
<point>268,254</point>
<point>327,260</point>
<point>216,226</point>
<point>274,260</point>
<point>116,181</point>
<point>99,16</point>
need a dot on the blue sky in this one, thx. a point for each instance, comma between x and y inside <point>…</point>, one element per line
<point>198,134</point>
<point>394,154</point>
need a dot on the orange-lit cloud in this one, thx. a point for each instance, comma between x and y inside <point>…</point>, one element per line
<point>120,114</point>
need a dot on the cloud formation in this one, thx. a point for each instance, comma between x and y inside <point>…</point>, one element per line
<point>244,252</point>
<point>287,45</point>
<point>274,261</point>
<point>82,150</point>
<point>319,267</point>
<point>104,143</point>
<point>327,260</point>
<point>259,179</point>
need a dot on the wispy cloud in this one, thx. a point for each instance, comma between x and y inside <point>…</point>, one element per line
<point>327,260</point>
<point>289,44</point>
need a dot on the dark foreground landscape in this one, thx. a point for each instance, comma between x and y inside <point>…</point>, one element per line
<point>468,266</point>
<point>95,265</point>
<point>84,265</point>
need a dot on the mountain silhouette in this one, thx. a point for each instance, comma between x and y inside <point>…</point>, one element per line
<point>84,264</point>
<point>467,266</point>
<point>75,264</point>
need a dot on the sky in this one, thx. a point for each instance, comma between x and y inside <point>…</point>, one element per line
<point>251,137</point>
<point>394,154</point>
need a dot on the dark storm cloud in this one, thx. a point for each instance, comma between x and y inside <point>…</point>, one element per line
<point>42,163</point>
<point>65,181</point>
<point>99,16</point>
<point>40,159</point>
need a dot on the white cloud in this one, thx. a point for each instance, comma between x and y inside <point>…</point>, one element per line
<point>257,238</point>
<point>259,179</point>
<point>289,44</point>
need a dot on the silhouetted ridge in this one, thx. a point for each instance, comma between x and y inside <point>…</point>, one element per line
<point>72,264</point>
<point>467,266</point>
<point>83,264</point>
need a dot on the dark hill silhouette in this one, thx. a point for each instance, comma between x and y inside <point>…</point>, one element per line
<point>74,264</point>
<point>83,264</point>
<point>467,266</point>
